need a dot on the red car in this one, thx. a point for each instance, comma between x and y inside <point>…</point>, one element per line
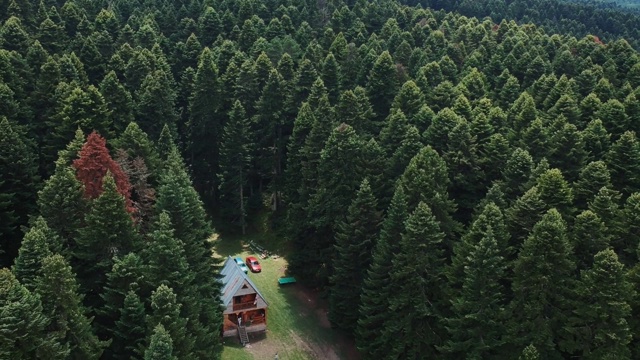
<point>253,264</point>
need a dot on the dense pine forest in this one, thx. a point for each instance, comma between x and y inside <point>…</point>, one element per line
<point>460,179</point>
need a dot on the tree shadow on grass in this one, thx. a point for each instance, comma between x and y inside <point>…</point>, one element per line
<point>228,246</point>
<point>310,321</point>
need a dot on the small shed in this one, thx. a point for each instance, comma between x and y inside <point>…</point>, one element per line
<point>243,304</point>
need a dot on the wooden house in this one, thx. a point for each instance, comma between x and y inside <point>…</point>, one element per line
<point>245,309</point>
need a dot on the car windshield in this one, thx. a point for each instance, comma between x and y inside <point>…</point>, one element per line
<point>255,262</point>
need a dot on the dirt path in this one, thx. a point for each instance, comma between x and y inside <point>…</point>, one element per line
<point>345,345</point>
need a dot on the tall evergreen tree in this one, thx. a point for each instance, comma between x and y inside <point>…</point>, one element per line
<point>118,100</point>
<point>426,180</point>
<point>155,103</point>
<point>62,303</point>
<point>337,182</point>
<point>234,166</point>
<point>605,294</point>
<point>477,325</point>
<point>355,238</point>
<point>166,312</point>
<point>555,192</point>
<point>127,274</point>
<point>382,85</point>
<point>593,177</point>
<point>38,243</point>
<point>491,219</point>
<point>109,231</point>
<point>588,236</point>
<point>18,184</point>
<point>543,289</point>
<point>77,108</point>
<point>179,199</point>
<point>377,287</point>
<point>419,296</point>
<point>623,160</point>
<point>24,325</point>
<point>129,334</point>
<point>205,123</point>
<point>165,262</point>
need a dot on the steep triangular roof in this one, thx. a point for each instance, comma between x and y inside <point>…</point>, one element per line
<point>232,280</point>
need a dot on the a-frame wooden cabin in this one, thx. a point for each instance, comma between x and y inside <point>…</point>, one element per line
<point>243,304</point>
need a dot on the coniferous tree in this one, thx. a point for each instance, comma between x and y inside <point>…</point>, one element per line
<point>490,217</point>
<point>109,231</point>
<point>118,100</point>
<point>234,166</point>
<point>129,333</point>
<point>543,289</point>
<point>93,164</point>
<point>355,110</point>
<point>555,192</point>
<point>23,323</point>
<point>588,236</point>
<point>165,263</point>
<point>62,204</point>
<point>160,345</point>
<point>38,243</point>
<point>77,108</point>
<point>426,180</point>
<point>205,123</point>
<point>516,172</point>
<point>597,140</point>
<point>355,238</point>
<point>136,143</point>
<point>179,199</point>
<point>602,314</point>
<point>410,145</point>
<point>267,135</point>
<point>382,85</point>
<point>530,353</point>
<point>62,303</point>
<point>623,160</point>
<point>337,182</point>
<point>155,103</point>
<point>166,312</point>
<point>18,184</point>
<point>606,204</point>
<point>477,325</point>
<point>627,241</point>
<point>377,287</point>
<point>419,296</point>
<point>593,177</point>
<point>393,131</point>
<point>463,163</point>
<point>127,274</point>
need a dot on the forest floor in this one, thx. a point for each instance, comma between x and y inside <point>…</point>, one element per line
<point>297,324</point>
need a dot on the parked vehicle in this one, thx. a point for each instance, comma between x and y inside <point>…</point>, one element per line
<point>240,263</point>
<point>253,264</point>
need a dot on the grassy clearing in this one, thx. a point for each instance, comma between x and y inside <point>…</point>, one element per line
<point>297,326</point>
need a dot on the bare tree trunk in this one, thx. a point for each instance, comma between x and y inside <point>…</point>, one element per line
<point>242,217</point>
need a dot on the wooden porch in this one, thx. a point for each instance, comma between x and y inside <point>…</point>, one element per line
<point>254,321</point>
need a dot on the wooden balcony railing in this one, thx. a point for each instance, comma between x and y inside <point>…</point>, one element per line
<point>242,306</point>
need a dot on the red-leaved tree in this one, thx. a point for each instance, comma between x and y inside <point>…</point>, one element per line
<point>92,165</point>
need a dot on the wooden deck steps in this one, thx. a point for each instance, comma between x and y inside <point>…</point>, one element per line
<point>242,332</point>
